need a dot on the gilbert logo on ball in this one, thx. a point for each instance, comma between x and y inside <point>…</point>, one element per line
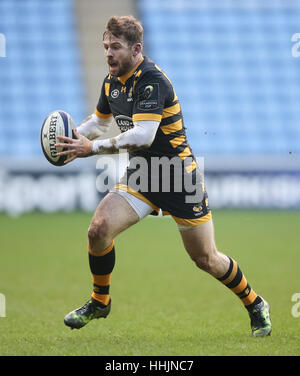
<point>58,123</point>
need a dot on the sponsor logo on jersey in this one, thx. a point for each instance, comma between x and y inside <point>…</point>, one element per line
<point>197,208</point>
<point>124,122</point>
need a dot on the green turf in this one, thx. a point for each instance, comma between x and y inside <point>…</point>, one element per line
<point>161,303</point>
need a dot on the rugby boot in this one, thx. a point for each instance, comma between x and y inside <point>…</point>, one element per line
<point>83,315</point>
<point>260,319</point>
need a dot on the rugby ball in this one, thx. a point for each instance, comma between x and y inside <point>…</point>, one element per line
<point>58,123</point>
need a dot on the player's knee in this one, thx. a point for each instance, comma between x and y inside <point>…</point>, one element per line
<point>204,262</point>
<point>98,230</point>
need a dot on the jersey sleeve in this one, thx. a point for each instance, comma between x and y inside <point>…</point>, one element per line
<point>149,98</point>
<point>103,108</point>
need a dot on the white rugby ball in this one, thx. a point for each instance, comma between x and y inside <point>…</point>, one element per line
<point>58,123</point>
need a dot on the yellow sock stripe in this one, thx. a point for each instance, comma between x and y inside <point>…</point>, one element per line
<point>104,299</point>
<point>102,253</point>
<point>241,286</point>
<point>250,298</point>
<point>232,274</point>
<point>101,280</point>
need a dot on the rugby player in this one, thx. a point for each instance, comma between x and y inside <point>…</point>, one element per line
<point>142,100</point>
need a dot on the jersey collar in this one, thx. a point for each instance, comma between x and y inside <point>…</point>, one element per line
<point>125,77</point>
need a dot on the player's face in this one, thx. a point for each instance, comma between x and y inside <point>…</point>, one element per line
<point>118,54</point>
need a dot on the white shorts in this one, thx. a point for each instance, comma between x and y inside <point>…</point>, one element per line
<point>141,208</point>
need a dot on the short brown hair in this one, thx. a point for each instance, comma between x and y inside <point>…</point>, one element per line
<point>127,27</point>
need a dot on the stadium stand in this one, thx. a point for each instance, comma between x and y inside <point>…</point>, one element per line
<point>232,66</point>
<point>40,73</point>
<point>92,17</point>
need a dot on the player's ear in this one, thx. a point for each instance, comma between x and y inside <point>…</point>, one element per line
<point>136,49</point>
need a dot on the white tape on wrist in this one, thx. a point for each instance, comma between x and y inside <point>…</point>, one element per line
<point>94,127</point>
<point>140,136</point>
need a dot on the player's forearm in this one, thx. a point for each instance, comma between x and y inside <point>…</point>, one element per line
<point>93,127</point>
<point>137,138</point>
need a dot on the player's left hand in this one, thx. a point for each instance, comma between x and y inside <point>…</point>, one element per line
<point>78,147</point>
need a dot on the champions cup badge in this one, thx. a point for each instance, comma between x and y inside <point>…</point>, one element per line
<point>148,91</point>
<point>148,97</point>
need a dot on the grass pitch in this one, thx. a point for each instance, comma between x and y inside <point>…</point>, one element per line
<point>161,303</point>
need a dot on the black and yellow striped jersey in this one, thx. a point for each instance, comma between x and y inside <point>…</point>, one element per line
<point>146,93</point>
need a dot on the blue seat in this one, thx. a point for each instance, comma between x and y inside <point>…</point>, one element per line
<point>232,70</point>
<point>33,80</point>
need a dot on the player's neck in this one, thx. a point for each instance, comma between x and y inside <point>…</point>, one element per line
<point>137,61</point>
